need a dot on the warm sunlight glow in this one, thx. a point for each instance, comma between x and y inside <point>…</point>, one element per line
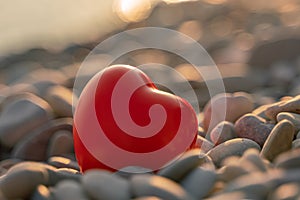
<point>133,10</point>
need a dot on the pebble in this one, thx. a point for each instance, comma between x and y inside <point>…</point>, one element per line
<point>69,190</point>
<point>39,139</point>
<point>204,144</point>
<point>100,184</point>
<point>61,143</point>
<point>41,193</point>
<point>185,164</point>
<point>21,116</point>
<point>290,105</point>
<point>253,161</point>
<point>287,191</point>
<point>153,185</point>
<point>148,198</point>
<point>230,172</point>
<point>222,132</point>
<point>296,144</point>
<point>292,117</point>
<point>199,182</point>
<point>60,99</point>
<point>226,107</point>
<point>288,160</point>
<point>229,195</point>
<point>22,179</point>
<point>234,147</point>
<point>253,127</point>
<point>201,131</point>
<point>279,140</point>
<point>62,162</point>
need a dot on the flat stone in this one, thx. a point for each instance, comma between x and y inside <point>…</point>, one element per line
<point>226,107</point>
<point>199,182</point>
<point>181,167</point>
<point>279,140</point>
<point>62,162</point>
<point>152,185</point>
<point>21,116</point>
<point>292,117</point>
<point>222,132</point>
<point>100,184</point>
<point>290,105</point>
<point>68,189</point>
<point>234,147</point>
<point>253,127</point>
<point>39,139</point>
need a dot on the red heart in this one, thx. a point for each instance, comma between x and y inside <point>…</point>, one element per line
<point>123,120</point>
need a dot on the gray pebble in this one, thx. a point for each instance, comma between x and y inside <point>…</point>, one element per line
<point>234,147</point>
<point>296,144</point>
<point>253,160</point>
<point>204,144</point>
<point>279,140</point>
<point>21,116</point>
<point>101,184</point>
<point>152,185</point>
<point>180,168</point>
<point>39,139</point>
<point>222,132</point>
<point>69,190</point>
<point>199,182</point>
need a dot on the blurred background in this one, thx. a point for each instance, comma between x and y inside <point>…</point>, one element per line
<point>238,34</point>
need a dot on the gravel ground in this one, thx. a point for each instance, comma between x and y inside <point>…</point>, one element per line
<point>252,153</point>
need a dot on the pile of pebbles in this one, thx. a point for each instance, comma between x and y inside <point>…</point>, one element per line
<point>251,151</point>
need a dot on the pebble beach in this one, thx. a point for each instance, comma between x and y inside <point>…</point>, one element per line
<point>250,152</point>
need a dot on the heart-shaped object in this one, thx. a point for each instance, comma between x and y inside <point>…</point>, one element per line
<point>122,120</point>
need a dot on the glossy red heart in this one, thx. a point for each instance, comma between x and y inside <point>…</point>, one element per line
<point>123,120</point>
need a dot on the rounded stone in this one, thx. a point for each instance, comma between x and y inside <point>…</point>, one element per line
<point>68,189</point>
<point>292,117</point>
<point>253,127</point>
<point>222,132</point>
<point>181,167</point>
<point>234,147</point>
<point>62,162</point>
<point>199,182</point>
<point>288,160</point>
<point>279,140</point>
<point>296,144</point>
<point>153,185</point>
<point>100,184</point>
<point>204,144</point>
<point>61,143</point>
<point>226,107</point>
<point>41,193</point>
<point>288,191</point>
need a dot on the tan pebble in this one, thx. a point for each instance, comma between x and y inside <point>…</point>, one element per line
<point>60,99</point>
<point>286,191</point>
<point>292,117</point>
<point>226,107</point>
<point>289,159</point>
<point>279,140</point>
<point>234,147</point>
<point>289,105</point>
<point>61,143</point>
